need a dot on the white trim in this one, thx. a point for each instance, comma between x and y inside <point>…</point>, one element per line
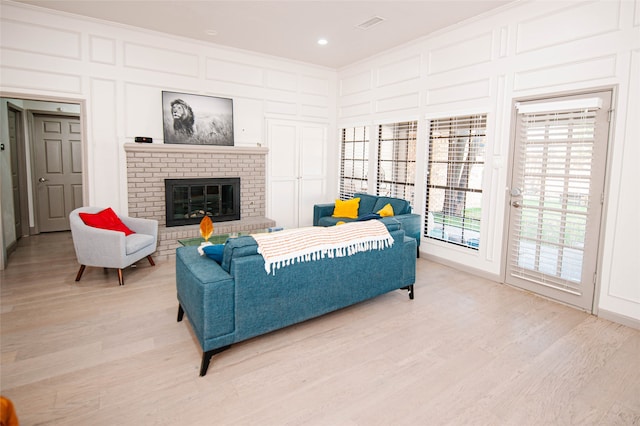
<point>568,105</point>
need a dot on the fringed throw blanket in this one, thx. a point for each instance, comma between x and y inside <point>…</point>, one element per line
<point>286,247</point>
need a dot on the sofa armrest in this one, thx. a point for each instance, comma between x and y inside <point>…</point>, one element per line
<point>411,225</point>
<point>141,225</point>
<point>322,210</point>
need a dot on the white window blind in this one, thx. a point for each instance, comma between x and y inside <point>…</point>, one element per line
<point>555,177</point>
<point>397,160</point>
<point>454,179</point>
<point>354,162</point>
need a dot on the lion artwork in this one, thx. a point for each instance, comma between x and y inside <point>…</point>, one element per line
<point>182,117</point>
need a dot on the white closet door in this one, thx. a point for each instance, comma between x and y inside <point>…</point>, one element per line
<point>297,164</point>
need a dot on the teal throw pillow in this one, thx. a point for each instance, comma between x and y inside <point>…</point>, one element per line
<point>214,252</point>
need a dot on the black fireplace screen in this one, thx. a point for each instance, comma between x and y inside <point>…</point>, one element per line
<point>189,200</point>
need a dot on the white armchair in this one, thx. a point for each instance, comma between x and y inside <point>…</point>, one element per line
<point>112,249</point>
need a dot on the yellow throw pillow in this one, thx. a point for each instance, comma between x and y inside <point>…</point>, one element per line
<point>340,222</point>
<point>387,210</point>
<point>347,208</point>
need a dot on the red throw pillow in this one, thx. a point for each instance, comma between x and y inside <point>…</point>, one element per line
<point>106,219</point>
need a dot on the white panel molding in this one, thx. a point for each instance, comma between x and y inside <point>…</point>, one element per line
<point>24,78</point>
<point>143,116</point>
<point>636,13</point>
<point>578,21</point>
<point>105,145</point>
<point>102,50</point>
<point>461,54</point>
<point>233,72</point>
<point>159,60</point>
<point>354,110</point>
<point>398,71</point>
<point>248,120</point>
<point>286,108</point>
<point>357,83</point>
<point>314,85</point>
<point>399,102</point>
<point>314,111</point>
<point>503,43</point>
<point>281,80</point>
<point>40,39</point>
<point>459,92</point>
<point>566,73</point>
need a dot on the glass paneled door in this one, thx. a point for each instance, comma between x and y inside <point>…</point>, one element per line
<point>556,196</point>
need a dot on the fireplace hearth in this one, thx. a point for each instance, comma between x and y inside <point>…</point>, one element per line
<point>189,200</point>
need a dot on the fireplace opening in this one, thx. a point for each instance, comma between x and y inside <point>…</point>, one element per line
<point>189,200</point>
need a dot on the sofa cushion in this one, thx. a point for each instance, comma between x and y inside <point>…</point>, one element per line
<point>346,208</point>
<point>367,201</point>
<point>368,216</point>
<point>399,205</point>
<point>386,211</point>
<point>332,221</point>
<point>237,247</point>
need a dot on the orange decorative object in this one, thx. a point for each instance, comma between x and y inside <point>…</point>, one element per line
<point>206,228</point>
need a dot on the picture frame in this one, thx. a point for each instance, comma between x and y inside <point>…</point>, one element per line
<point>197,119</point>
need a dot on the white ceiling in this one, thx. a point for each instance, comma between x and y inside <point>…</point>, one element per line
<point>288,29</point>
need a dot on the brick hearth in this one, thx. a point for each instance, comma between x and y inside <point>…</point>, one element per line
<point>148,165</point>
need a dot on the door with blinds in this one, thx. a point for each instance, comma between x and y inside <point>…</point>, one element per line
<point>556,196</point>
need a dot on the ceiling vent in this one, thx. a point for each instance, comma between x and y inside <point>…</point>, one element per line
<point>370,23</point>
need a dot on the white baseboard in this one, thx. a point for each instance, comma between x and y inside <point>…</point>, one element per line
<point>620,319</point>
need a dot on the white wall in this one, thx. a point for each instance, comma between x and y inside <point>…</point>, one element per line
<point>529,49</point>
<point>121,72</point>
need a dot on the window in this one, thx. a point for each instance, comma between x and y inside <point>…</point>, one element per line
<point>354,163</point>
<point>454,179</point>
<point>397,160</point>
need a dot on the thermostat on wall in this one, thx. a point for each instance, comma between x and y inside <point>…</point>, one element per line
<point>143,139</point>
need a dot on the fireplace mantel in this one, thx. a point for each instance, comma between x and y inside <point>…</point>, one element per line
<point>207,149</point>
<point>149,164</point>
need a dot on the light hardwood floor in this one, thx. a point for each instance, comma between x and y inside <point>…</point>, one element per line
<point>465,351</point>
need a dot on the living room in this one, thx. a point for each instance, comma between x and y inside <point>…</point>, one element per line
<point>113,76</point>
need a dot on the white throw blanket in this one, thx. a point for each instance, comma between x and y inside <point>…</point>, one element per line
<point>285,247</point>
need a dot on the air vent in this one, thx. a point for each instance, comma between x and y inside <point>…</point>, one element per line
<point>370,22</point>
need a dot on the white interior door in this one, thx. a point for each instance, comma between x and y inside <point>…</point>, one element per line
<point>297,157</point>
<point>313,143</point>
<point>556,196</point>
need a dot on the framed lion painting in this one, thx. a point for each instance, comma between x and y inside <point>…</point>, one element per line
<point>197,119</point>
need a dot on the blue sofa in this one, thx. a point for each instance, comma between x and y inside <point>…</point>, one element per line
<point>409,222</point>
<point>236,300</point>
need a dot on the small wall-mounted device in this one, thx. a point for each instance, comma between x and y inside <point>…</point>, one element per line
<point>143,139</point>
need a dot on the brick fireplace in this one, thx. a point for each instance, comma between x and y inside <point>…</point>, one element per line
<point>148,165</point>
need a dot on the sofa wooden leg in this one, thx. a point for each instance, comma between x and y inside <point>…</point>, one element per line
<point>150,259</point>
<point>79,275</point>
<point>418,252</point>
<point>120,277</point>
<point>180,312</point>
<point>206,358</point>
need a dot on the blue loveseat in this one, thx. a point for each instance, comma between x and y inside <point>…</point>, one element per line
<point>236,300</point>
<point>409,222</point>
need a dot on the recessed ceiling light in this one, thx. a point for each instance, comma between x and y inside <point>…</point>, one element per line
<point>211,32</point>
<point>322,41</point>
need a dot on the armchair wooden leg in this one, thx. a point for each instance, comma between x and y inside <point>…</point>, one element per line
<point>150,259</point>
<point>120,277</point>
<point>79,275</point>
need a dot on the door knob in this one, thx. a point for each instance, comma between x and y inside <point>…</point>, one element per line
<point>515,204</point>
<point>42,180</point>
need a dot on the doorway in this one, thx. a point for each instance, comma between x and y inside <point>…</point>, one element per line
<point>20,209</point>
<point>556,196</point>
